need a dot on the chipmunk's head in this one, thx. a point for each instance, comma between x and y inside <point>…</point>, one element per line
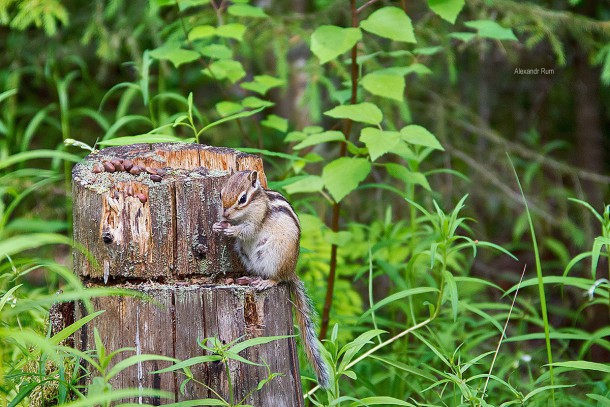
<point>242,197</point>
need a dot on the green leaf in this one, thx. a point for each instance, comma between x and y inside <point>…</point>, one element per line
<point>133,360</point>
<point>231,117</point>
<point>295,136</point>
<point>201,31</point>
<point>452,292</point>
<point>225,108</point>
<point>402,173</point>
<point>246,10</point>
<point>225,69</point>
<point>235,31</point>
<point>584,365</point>
<point>186,4</point>
<point>398,296</point>
<point>190,362</point>
<point>199,402</point>
<point>463,36</point>
<point>390,22</point>
<point>378,141</point>
<point>361,112</point>
<point>324,137</point>
<point>330,41</point>
<point>253,102</point>
<point>262,83</point>
<point>343,175</point>
<point>311,183</point>
<point>276,122</point>
<point>12,245</point>
<point>216,51</point>
<point>142,138</point>
<point>173,53</point>
<point>418,135</point>
<point>381,400</point>
<point>447,9</point>
<point>256,341</point>
<point>492,30</point>
<point>384,85</point>
<point>339,239</point>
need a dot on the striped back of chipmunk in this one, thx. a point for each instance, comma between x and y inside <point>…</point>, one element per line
<point>280,205</point>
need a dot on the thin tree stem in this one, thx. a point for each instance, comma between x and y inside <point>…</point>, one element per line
<point>334,224</point>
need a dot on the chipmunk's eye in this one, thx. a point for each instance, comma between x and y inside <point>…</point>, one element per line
<point>242,199</point>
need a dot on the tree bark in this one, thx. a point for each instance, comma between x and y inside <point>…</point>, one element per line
<point>152,233</point>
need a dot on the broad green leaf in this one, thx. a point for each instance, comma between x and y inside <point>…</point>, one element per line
<point>330,41</point>
<point>276,122</point>
<point>186,4</point>
<point>463,36</point>
<point>339,239</point>
<point>234,30</point>
<point>201,31</point>
<point>311,183</point>
<point>262,83</point>
<point>295,136</point>
<point>378,141</point>
<point>418,135</point>
<point>361,112</point>
<point>325,137</point>
<point>246,10</point>
<point>173,53</point>
<point>402,173</point>
<point>427,50</point>
<point>216,51</point>
<point>492,30</point>
<point>343,175</point>
<point>225,108</point>
<point>142,138</point>
<point>225,69</point>
<point>390,22</point>
<point>253,102</point>
<point>384,85</point>
<point>447,9</point>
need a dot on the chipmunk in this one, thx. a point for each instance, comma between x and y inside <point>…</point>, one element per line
<point>267,233</point>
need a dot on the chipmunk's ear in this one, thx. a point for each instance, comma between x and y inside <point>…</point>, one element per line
<point>254,179</point>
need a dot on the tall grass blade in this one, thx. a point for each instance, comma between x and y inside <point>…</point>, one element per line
<point>543,309</point>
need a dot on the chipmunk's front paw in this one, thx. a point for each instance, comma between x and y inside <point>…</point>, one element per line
<point>223,227</point>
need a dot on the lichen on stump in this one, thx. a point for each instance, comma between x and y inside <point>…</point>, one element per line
<point>143,215</point>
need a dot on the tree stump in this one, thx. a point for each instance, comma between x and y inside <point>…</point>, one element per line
<point>144,214</point>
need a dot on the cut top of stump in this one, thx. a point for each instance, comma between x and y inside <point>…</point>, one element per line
<point>145,211</point>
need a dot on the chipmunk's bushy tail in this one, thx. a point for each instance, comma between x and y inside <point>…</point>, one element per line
<point>304,315</point>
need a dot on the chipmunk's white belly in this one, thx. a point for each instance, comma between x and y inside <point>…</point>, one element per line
<point>258,256</point>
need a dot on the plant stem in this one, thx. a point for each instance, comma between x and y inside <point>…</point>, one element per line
<point>334,224</point>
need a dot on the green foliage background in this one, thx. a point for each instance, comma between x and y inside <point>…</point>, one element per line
<point>391,126</point>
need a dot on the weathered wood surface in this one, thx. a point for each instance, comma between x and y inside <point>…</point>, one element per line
<point>177,316</point>
<point>153,233</point>
<point>168,234</point>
